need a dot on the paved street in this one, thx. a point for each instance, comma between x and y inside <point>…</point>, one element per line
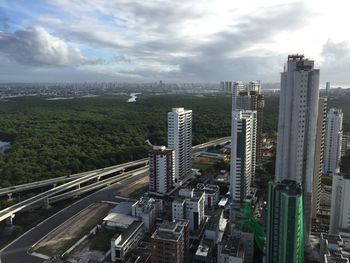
<point>17,251</point>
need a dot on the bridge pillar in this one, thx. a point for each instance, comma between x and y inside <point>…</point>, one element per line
<point>78,186</point>
<point>47,203</point>
<point>54,185</point>
<point>9,195</point>
<point>98,178</point>
<point>9,221</point>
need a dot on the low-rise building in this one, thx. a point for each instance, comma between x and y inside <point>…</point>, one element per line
<point>211,194</point>
<point>170,242</point>
<point>126,240</point>
<point>333,249</point>
<point>236,230</point>
<point>189,205</point>
<point>231,250</point>
<point>215,227</point>
<point>147,209</point>
<point>204,253</point>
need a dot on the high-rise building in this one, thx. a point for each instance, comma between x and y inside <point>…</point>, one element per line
<point>161,170</point>
<point>344,144</point>
<point>170,242</point>
<point>334,134</point>
<point>328,87</point>
<point>319,156</point>
<point>285,223</point>
<point>340,205</point>
<point>228,86</point>
<point>180,139</point>
<point>242,152</point>
<point>298,110</point>
<point>253,99</point>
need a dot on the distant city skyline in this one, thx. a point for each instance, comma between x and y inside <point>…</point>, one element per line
<point>133,41</point>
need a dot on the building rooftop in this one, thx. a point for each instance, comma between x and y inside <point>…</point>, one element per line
<point>203,250</point>
<point>232,246</point>
<point>120,219</point>
<point>122,208</point>
<point>146,204</point>
<point>170,230</point>
<point>289,187</point>
<point>127,233</point>
<point>215,219</point>
<point>161,149</point>
<point>208,188</point>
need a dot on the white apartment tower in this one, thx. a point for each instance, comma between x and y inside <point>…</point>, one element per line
<point>340,206</point>
<point>180,139</point>
<point>161,170</point>
<point>334,134</point>
<point>243,143</point>
<point>298,110</point>
<point>242,152</point>
<point>229,86</point>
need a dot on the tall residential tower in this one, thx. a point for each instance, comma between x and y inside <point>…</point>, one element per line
<point>284,242</point>
<point>319,156</point>
<point>242,153</point>
<point>243,145</point>
<point>298,111</point>
<point>334,134</point>
<point>253,99</point>
<point>180,139</point>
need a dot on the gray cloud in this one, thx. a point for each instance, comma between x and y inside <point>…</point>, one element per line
<point>336,65</point>
<point>36,47</point>
<point>148,37</point>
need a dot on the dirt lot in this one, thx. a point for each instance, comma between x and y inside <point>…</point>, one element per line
<point>63,237</point>
<point>133,187</point>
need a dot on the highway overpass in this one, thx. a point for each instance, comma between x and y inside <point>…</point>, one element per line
<point>96,179</point>
<point>63,179</point>
<point>9,212</point>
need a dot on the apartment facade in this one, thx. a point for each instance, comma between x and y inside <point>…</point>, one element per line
<point>180,139</point>
<point>161,170</point>
<point>334,134</point>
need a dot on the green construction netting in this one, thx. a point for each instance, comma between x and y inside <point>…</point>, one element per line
<point>301,225</point>
<point>252,225</point>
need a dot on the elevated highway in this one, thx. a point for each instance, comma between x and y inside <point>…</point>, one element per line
<point>95,179</point>
<point>119,171</point>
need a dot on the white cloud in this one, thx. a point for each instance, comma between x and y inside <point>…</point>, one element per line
<point>36,47</point>
<point>197,40</point>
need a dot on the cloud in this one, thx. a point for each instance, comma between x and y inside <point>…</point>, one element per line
<point>336,64</point>
<point>36,47</point>
<point>170,40</point>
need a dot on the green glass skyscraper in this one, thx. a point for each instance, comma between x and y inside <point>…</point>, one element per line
<point>285,235</point>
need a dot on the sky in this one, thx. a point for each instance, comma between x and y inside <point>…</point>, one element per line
<point>174,41</point>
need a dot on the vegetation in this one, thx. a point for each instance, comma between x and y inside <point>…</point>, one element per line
<point>326,180</point>
<point>59,137</point>
<point>102,240</point>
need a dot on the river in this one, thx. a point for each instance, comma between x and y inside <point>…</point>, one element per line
<point>133,97</point>
<point>4,146</point>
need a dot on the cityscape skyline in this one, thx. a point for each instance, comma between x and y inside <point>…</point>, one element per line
<point>129,41</point>
<point>174,131</point>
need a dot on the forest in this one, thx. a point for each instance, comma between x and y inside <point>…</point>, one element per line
<point>51,138</point>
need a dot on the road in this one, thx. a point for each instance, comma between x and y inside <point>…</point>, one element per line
<point>11,210</point>
<point>16,252</point>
